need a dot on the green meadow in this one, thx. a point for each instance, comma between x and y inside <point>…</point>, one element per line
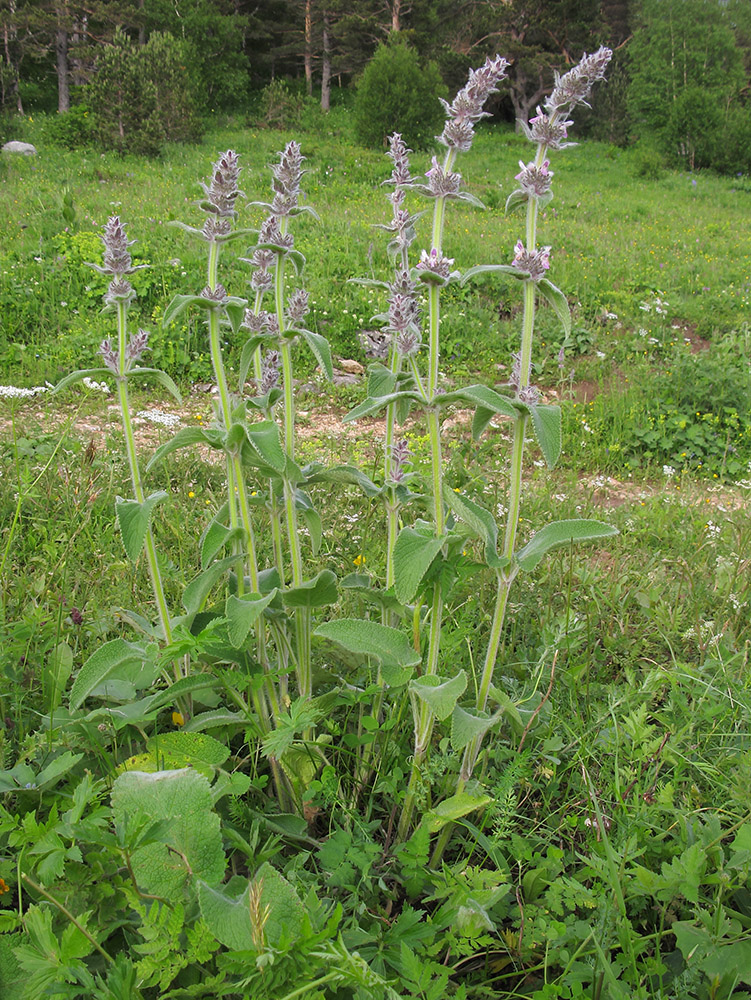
<point>612,856</point>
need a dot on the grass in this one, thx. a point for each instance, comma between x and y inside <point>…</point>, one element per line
<point>617,841</point>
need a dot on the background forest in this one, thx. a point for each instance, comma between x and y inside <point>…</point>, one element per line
<point>133,74</point>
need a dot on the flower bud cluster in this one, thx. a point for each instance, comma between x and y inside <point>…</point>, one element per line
<point>297,307</point>
<point>548,131</point>
<point>435,264</point>
<point>399,459</point>
<point>286,183</point>
<point>137,344</point>
<point>443,183</point>
<point>269,372</point>
<point>466,108</point>
<point>117,262</point>
<point>534,262</point>
<point>262,261</point>
<point>533,180</point>
<point>404,314</point>
<point>402,222</point>
<point>222,192</point>
<point>271,234</point>
<point>575,86</point>
<point>218,294</point>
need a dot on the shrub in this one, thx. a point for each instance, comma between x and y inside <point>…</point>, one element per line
<point>75,129</point>
<point>144,96</point>
<point>279,106</point>
<point>396,94</point>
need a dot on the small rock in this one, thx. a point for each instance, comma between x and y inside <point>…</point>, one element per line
<point>19,147</point>
<point>350,367</point>
<point>342,379</point>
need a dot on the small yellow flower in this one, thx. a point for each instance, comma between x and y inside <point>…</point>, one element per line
<point>4,887</point>
<point>457,490</point>
<point>191,494</point>
<point>358,560</point>
<point>207,502</point>
<point>178,719</point>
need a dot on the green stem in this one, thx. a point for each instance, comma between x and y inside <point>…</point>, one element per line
<point>135,474</point>
<point>68,915</point>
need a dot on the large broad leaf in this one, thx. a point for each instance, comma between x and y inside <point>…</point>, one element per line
<point>195,683</point>
<point>190,845</point>
<point>320,348</point>
<point>370,406</point>
<point>546,421</point>
<point>79,376</point>
<point>558,301</point>
<point>242,613</point>
<point>561,533</point>
<point>481,522</point>
<point>509,269</point>
<point>454,808</point>
<point>440,694</point>
<point>368,638</point>
<point>413,554</point>
<point>180,303</point>
<point>229,917</point>
<point>381,380</point>
<point>115,661</point>
<point>197,750</point>
<point>216,537</point>
<point>198,589</point>
<point>315,593</point>
<point>134,519</point>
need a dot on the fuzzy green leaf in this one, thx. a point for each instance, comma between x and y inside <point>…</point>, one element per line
<point>191,847</point>
<point>184,438</point>
<point>348,475</point>
<point>180,303</point>
<point>161,377</point>
<point>242,613</point>
<point>73,377</point>
<point>493,269</point>
<point>198,589</point>
<point>546,421</point>
<point>134,519</point>
<point>264,439</point>
<point>371,639</point>
<point>216,537</point>
<point>440,694</point>
<point>469,723</point>
<point>561,533</point>
<point>315,593</point>
<point>480,521</point>
<point>192,749</point>
<point>321,350</point>
<point>558,301</point>
<point>481,395</point>
<point>369,406</point>
<point>413,554</point>
<point>113,662</point>
<point>516,200</point>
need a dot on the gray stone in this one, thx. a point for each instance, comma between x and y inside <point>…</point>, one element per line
<point>19,147</point>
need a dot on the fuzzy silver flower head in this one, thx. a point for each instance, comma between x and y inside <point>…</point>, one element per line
<point>110,356</point>
<point>271,234</point>
<point>434,263</point>
<point>399,459</point>
<point>574,87</point>
<point>297,307</point>
<point>533,180</point>
<point>441,183</point>
<point>529,394</point>
<point>287,174</point>
<point>222,192</point>
<point>547,131</point>
<point>404,313</point>
<point>218,294</point>
<point>269,372</point>
<point>120,290</point>
<point>466,108</point>
<point>408,342</point>
<point>255,322</point>
<point>137,344</point>
<point>117,261</point>
<point>534,262</point>
<point>399,154</point>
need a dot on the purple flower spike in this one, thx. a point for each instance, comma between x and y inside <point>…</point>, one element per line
<point>443,184</point>
<point>223,191</point>
<point>548,131</point>
<point>110,356</point>
<point>574,87</point>
<point>466,108</point>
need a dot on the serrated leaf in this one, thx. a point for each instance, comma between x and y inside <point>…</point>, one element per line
<point>546,421</point>
<point>180,303</point>
<point>134,519</point>
<point>264,439</point>
<point>247,354</point>
<point>413,555</point>
<point>321,350</point>
<point>192,842</point>
<point>454,808</point>
<point>381,380</point>
<point>198,589</point>
<point>347,475</point>
<point>469,723</point>
<point>509,269</point>
<point>185,686</point>
<point>371,639</point>
<point>216,537</point>
<point>235,311</point>
<point>561,533</point>
<point>116,660</point>
<point>481,522</point>
<point>440,694</point>
<point>315,593</point>
<point>558,301</point>
<point>216,718</point>
<point>370,406</point>
<point>242,613</point>
<point>481,395</point>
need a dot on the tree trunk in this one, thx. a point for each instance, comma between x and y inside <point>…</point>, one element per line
<point>10,91</point>
<point>326,65</point>
<point>63,82</point>
<point>308,47</point>
<point>396,10</point>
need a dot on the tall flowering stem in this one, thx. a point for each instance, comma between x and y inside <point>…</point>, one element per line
<point>117,264</point>
<point>434,269</point>
<point>548,130</point>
